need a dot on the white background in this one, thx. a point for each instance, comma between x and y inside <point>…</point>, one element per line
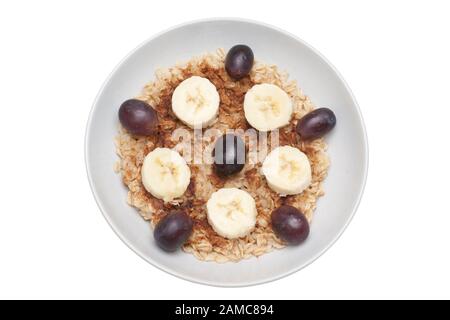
<point>54,56</point>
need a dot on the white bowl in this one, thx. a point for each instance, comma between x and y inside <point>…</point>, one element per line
<point>315,75</point>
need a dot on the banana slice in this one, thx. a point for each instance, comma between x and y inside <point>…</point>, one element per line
<point>267,107</point>
<point>287,170</point>
<point>165,174</point>
<point>196,102</point>
<point>231,212</point>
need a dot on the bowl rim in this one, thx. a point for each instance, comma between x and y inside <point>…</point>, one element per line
<point>173,272</point>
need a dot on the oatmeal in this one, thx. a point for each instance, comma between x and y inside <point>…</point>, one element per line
<point>204,243</point>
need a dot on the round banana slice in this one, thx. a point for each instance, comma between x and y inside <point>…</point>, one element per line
<point>231,212</point>
<point>196,102</point>
<point>287,170</point>
<point>267,107</point>
<point>165,174</point>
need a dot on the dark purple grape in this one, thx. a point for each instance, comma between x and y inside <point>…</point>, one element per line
<point>290,225</point>
<point>173,230</point>
<point>229,155</point>
<point>316,124</point>
<point>239,61</point>
<point>138,117</point>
